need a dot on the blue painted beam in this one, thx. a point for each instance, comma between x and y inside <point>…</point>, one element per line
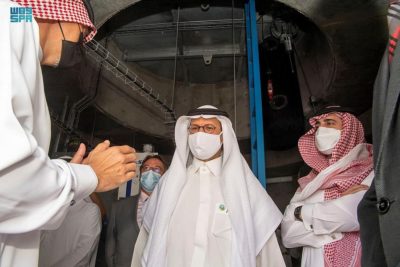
<point>256,114</point>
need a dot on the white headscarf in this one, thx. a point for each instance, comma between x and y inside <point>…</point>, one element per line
<point>254,216</point>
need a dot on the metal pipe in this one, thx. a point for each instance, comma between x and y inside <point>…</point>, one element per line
<point>183,26</point>
<point>256,120</point>
<point>143,57</point>
<point>234,66</point>
<point>176,55</point>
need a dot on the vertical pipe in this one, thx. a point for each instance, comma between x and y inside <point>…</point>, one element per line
<point>234,65</point>
<point>176,55</point>
<point>251,93</point>
<point>256,116</point>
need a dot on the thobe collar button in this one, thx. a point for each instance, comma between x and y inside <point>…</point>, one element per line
<point>72,203</point>
<point>203,169</point>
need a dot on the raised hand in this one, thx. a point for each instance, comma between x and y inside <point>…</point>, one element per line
<point>79,154</point>
<point>112,165</point>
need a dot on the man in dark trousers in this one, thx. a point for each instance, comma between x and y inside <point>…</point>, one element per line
<point>379,211</point>
<point>126,215</point>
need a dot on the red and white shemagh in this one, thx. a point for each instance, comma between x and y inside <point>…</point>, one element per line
<point>62,10</point>
<point>347,251</point>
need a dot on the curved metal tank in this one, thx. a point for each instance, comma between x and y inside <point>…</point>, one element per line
<point>341,56</point>
<point>203,69</point>
<point>339,47</point>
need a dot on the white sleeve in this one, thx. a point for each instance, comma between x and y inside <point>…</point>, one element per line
<point>271,254</point>
<point>323,222</point>
<point>85,251</point>
<point>75,242</point>
<point>333,216</point>
<point>338,215</point>
<point>34,190</point>
<point>295,234</point>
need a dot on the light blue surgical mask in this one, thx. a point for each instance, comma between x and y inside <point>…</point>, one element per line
<point>149,180</point>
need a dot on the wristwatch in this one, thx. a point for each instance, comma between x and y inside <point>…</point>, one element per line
<point>297,213</point>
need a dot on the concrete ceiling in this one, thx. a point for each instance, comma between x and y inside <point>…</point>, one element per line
<point>187,43</point>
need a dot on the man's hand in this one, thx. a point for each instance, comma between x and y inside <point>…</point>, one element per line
<point>112,165</point>
<point>79,154</point>
<point>355,189</point>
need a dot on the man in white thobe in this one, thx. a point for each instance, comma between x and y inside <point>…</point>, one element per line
<point>75,242</point>
<point>212,213</point>
<point>322,215</point>
<point>36,192</point>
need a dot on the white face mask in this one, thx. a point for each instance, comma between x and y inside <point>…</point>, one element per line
<point>326,139</point>
<point>203,145</point>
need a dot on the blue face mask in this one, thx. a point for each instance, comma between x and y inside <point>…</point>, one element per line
<point>149,180</point>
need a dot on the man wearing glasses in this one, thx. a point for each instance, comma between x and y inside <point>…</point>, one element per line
<point>126,214</point>
<point>209,209</point>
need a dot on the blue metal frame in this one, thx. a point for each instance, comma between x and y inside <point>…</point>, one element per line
<point>256,114</point>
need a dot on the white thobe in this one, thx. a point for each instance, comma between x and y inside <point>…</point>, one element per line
<point>35,192</point>
<point>75,242</point>
<point>200,231</point>
<point>323,222</point>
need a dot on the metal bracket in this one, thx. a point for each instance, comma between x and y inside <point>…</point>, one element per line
<point>207,59</point>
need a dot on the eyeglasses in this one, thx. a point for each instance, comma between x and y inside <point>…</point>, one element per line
<point>207,128</point>
<point>154,169</point>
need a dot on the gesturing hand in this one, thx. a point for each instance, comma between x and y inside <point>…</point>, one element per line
<point>79,154</point>
<point>112,165</point>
